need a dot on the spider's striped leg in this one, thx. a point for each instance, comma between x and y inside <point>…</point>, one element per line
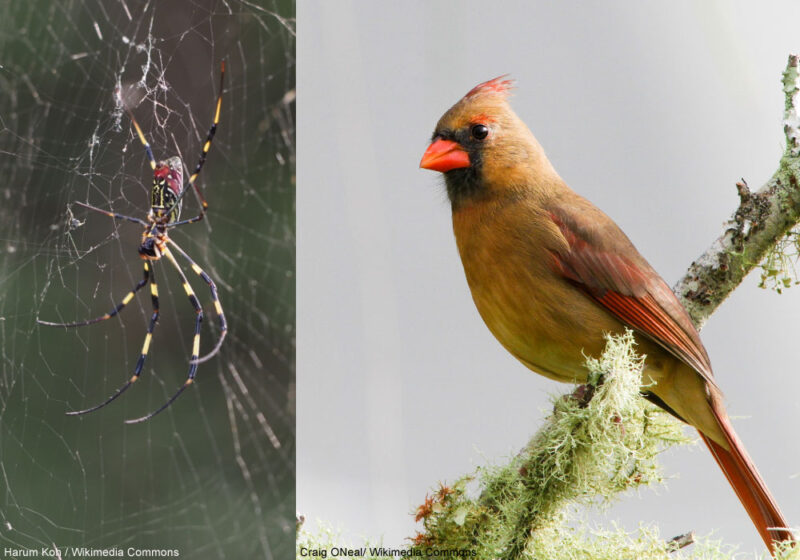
<point>223,325</point>
<point>189,221</point>
<point>197,218</point>
<point>117,308</point>
<point>195,342</point>
<point>203,154</point>
<point>145,346</point>
<point>113,214</point>
<point>142,139</point>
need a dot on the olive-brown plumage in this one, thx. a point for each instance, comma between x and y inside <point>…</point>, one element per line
<point>550,273</point>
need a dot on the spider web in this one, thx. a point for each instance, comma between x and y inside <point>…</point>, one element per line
<point>213,475</point>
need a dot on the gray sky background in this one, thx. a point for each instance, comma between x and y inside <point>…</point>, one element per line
<point>652,112</point>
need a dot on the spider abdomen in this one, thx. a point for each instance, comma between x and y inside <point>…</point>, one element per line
<point>167,189</point>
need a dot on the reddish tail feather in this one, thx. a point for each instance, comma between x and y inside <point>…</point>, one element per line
<point>749,487</point>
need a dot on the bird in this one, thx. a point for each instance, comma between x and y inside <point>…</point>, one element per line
<point>551,274</point>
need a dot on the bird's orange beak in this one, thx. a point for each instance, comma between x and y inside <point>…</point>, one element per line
<point>444,155</point>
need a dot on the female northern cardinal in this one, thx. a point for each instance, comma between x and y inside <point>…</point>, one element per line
<point>550,274</point>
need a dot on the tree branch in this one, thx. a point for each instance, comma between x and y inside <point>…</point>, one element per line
<point>761,221</point>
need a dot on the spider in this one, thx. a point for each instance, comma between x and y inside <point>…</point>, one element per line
<point>165,209</point>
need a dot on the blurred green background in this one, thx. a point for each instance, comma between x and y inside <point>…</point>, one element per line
<point>213,475</point>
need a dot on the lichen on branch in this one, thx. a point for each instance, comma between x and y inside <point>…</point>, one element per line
<point>598,442</point>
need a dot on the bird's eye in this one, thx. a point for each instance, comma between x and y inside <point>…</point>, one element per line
<point>479,131</point>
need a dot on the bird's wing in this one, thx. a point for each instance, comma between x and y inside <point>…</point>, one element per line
<point>613,273</point>
<point>627,286</point>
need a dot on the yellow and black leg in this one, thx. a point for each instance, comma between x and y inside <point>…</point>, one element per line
<point>113,214</point>
<point>117,308</point>
<point>195,341</point>
<point>223,325</point>
<point>143,140</point>
<point>206,147</point>
<point>145,346</point>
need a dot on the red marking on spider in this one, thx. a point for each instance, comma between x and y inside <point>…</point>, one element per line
<point>172,174</point>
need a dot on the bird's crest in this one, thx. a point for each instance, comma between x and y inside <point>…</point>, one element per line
<point>499,86</point>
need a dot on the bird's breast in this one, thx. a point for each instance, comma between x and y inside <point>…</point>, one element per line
<point>542,319</point>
